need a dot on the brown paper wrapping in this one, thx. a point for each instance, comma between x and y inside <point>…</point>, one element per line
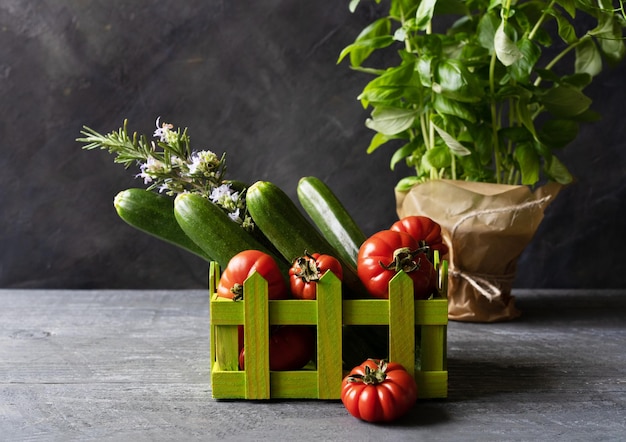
<point>486,227</point>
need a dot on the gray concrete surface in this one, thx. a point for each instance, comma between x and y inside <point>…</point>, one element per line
<point>134,366</point>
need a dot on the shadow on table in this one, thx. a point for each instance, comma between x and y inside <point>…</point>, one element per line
<point>571,306</point>
<point>471,379</point>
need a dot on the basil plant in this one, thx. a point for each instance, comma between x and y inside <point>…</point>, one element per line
<point>495,93</point>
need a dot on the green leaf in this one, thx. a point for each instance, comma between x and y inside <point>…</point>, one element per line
<point>556,171</point>
<point>524,113</point>
<point>528,162</point>
<point>424,69</point>
<point>455,81</point>
<point>588,58</point>
<point>610,38</point>
<point>401,154</point>
<point>522,68</point>
<point>448,106</point>
<point>374,36</point>
<point>391,120</point>
<point>377,140</point>
<point>387,94</point>
<point>565,101</point>
<point>566,30</point>
<point>400,8</point>
<point>437,158</point>
<point>393,84</point>
<point>506,49</point>
<point>558,133</point>
<point>569,6</point>
<point>353,4</point>
<point>486,30</point>
<point>579,81</point>
<point>452,143</point>
<point>424,13</point>
<point>405,184</point>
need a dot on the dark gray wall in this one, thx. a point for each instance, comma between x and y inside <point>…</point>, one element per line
<point>255,79</point>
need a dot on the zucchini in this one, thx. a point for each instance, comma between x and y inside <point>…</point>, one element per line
<point>154,214</point>
<point>331,218</point>
<point>280,220</point>
<point>214,232</point>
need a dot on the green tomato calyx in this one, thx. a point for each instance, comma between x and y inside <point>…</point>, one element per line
<point>308,268</point>
<point>372,376</point>
<point>404,259</point>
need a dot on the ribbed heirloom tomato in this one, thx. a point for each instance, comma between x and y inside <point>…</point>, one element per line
<point>307,270</point>
<point>423,229</point>
<point>378,391</point>
<point>243,265</point>
<point>386,253</point>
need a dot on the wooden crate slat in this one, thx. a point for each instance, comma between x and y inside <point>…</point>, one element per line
<point>433,348</point>
<point>256,344</point>
<point>365,312</point>
<point>293,311</point>
<point>225,311</point>
<point>228,384</point>
<point>298,384</point>
<point>329,345</point>
<point>431,311</point>
<point>431,384</point>
<point>402,321</point>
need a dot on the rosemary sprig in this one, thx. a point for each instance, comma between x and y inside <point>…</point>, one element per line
<point>170,166</point>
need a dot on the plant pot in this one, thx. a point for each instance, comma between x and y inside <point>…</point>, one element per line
<point>486,227</point>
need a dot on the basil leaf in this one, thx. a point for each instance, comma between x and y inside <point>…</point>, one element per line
<point>374,36</point>
<point>448,106</point>
<point>558,133</point>
<point>454,80</point>
<point>557,171</point>
<point>424,13</point>
<point>565,101</point>
<point>528,161</point>
<point>391,120</point>
<point>588,58</point>
<point>401,154</point>
<point>506,50</point>
<point>456,147</point>
<point>437,157</point>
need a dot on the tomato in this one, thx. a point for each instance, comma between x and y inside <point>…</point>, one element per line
<point>423,229</point>
<point>307,270</point>
<point>378,391</point>
<point>387,252</point>
<point>291,347</point>
<point>243,265</point>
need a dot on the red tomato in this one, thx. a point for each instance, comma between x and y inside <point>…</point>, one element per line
<point>291,347</point>
<point>378,391</point>
<point>387,252</point>
<point>307,270</point>
<point>423,229</point>
<point>243,265</point>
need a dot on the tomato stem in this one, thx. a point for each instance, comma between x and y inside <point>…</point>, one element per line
<point>372,376</point>
<point>308,268</point>
<point>237,291</point>
<point>404,259</point>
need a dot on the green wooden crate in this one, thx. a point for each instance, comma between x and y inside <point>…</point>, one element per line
<point>329,312</point>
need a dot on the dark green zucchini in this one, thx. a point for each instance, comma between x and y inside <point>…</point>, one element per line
<point>331,218</point>
<point>280,220</point>
<point>154,214</point>
<point>214,232</point>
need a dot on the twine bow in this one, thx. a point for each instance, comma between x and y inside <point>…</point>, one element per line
<point>483,283</point>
